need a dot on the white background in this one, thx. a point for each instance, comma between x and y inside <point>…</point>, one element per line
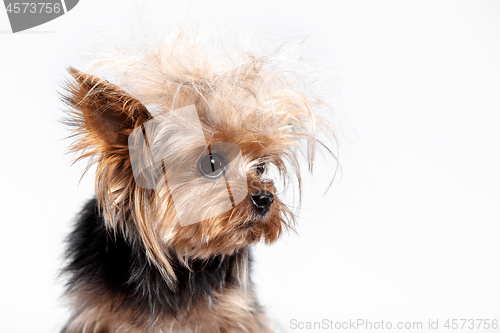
<point>409,231</point>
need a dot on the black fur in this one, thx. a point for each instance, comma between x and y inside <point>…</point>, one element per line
<point>111,264</point>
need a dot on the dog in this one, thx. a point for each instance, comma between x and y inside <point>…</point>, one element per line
<point>184,144</point>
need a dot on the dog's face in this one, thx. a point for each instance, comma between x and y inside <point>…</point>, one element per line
<point>218,196</point>
<point>209,190</point>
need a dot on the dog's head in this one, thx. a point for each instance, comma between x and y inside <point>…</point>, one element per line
<point>184,148</point>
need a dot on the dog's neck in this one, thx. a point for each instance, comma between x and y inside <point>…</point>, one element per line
<point>112,266</point>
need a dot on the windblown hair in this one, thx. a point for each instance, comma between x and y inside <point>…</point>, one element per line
<point>244,101</point>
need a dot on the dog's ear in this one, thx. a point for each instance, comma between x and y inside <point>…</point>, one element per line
<point>101,112</point>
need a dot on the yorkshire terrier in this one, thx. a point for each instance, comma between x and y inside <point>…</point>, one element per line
<point>184,143</point>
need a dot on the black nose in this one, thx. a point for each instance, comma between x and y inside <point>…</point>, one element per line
<point>262,201</point>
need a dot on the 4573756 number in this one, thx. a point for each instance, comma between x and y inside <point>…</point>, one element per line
<point>34,7</point>
<point>472,324</point>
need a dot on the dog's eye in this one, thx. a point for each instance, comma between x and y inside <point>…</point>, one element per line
<point>211,166</point>
<point>260,168</point>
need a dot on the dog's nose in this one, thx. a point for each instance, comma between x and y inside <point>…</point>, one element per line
<point>262,201</point>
